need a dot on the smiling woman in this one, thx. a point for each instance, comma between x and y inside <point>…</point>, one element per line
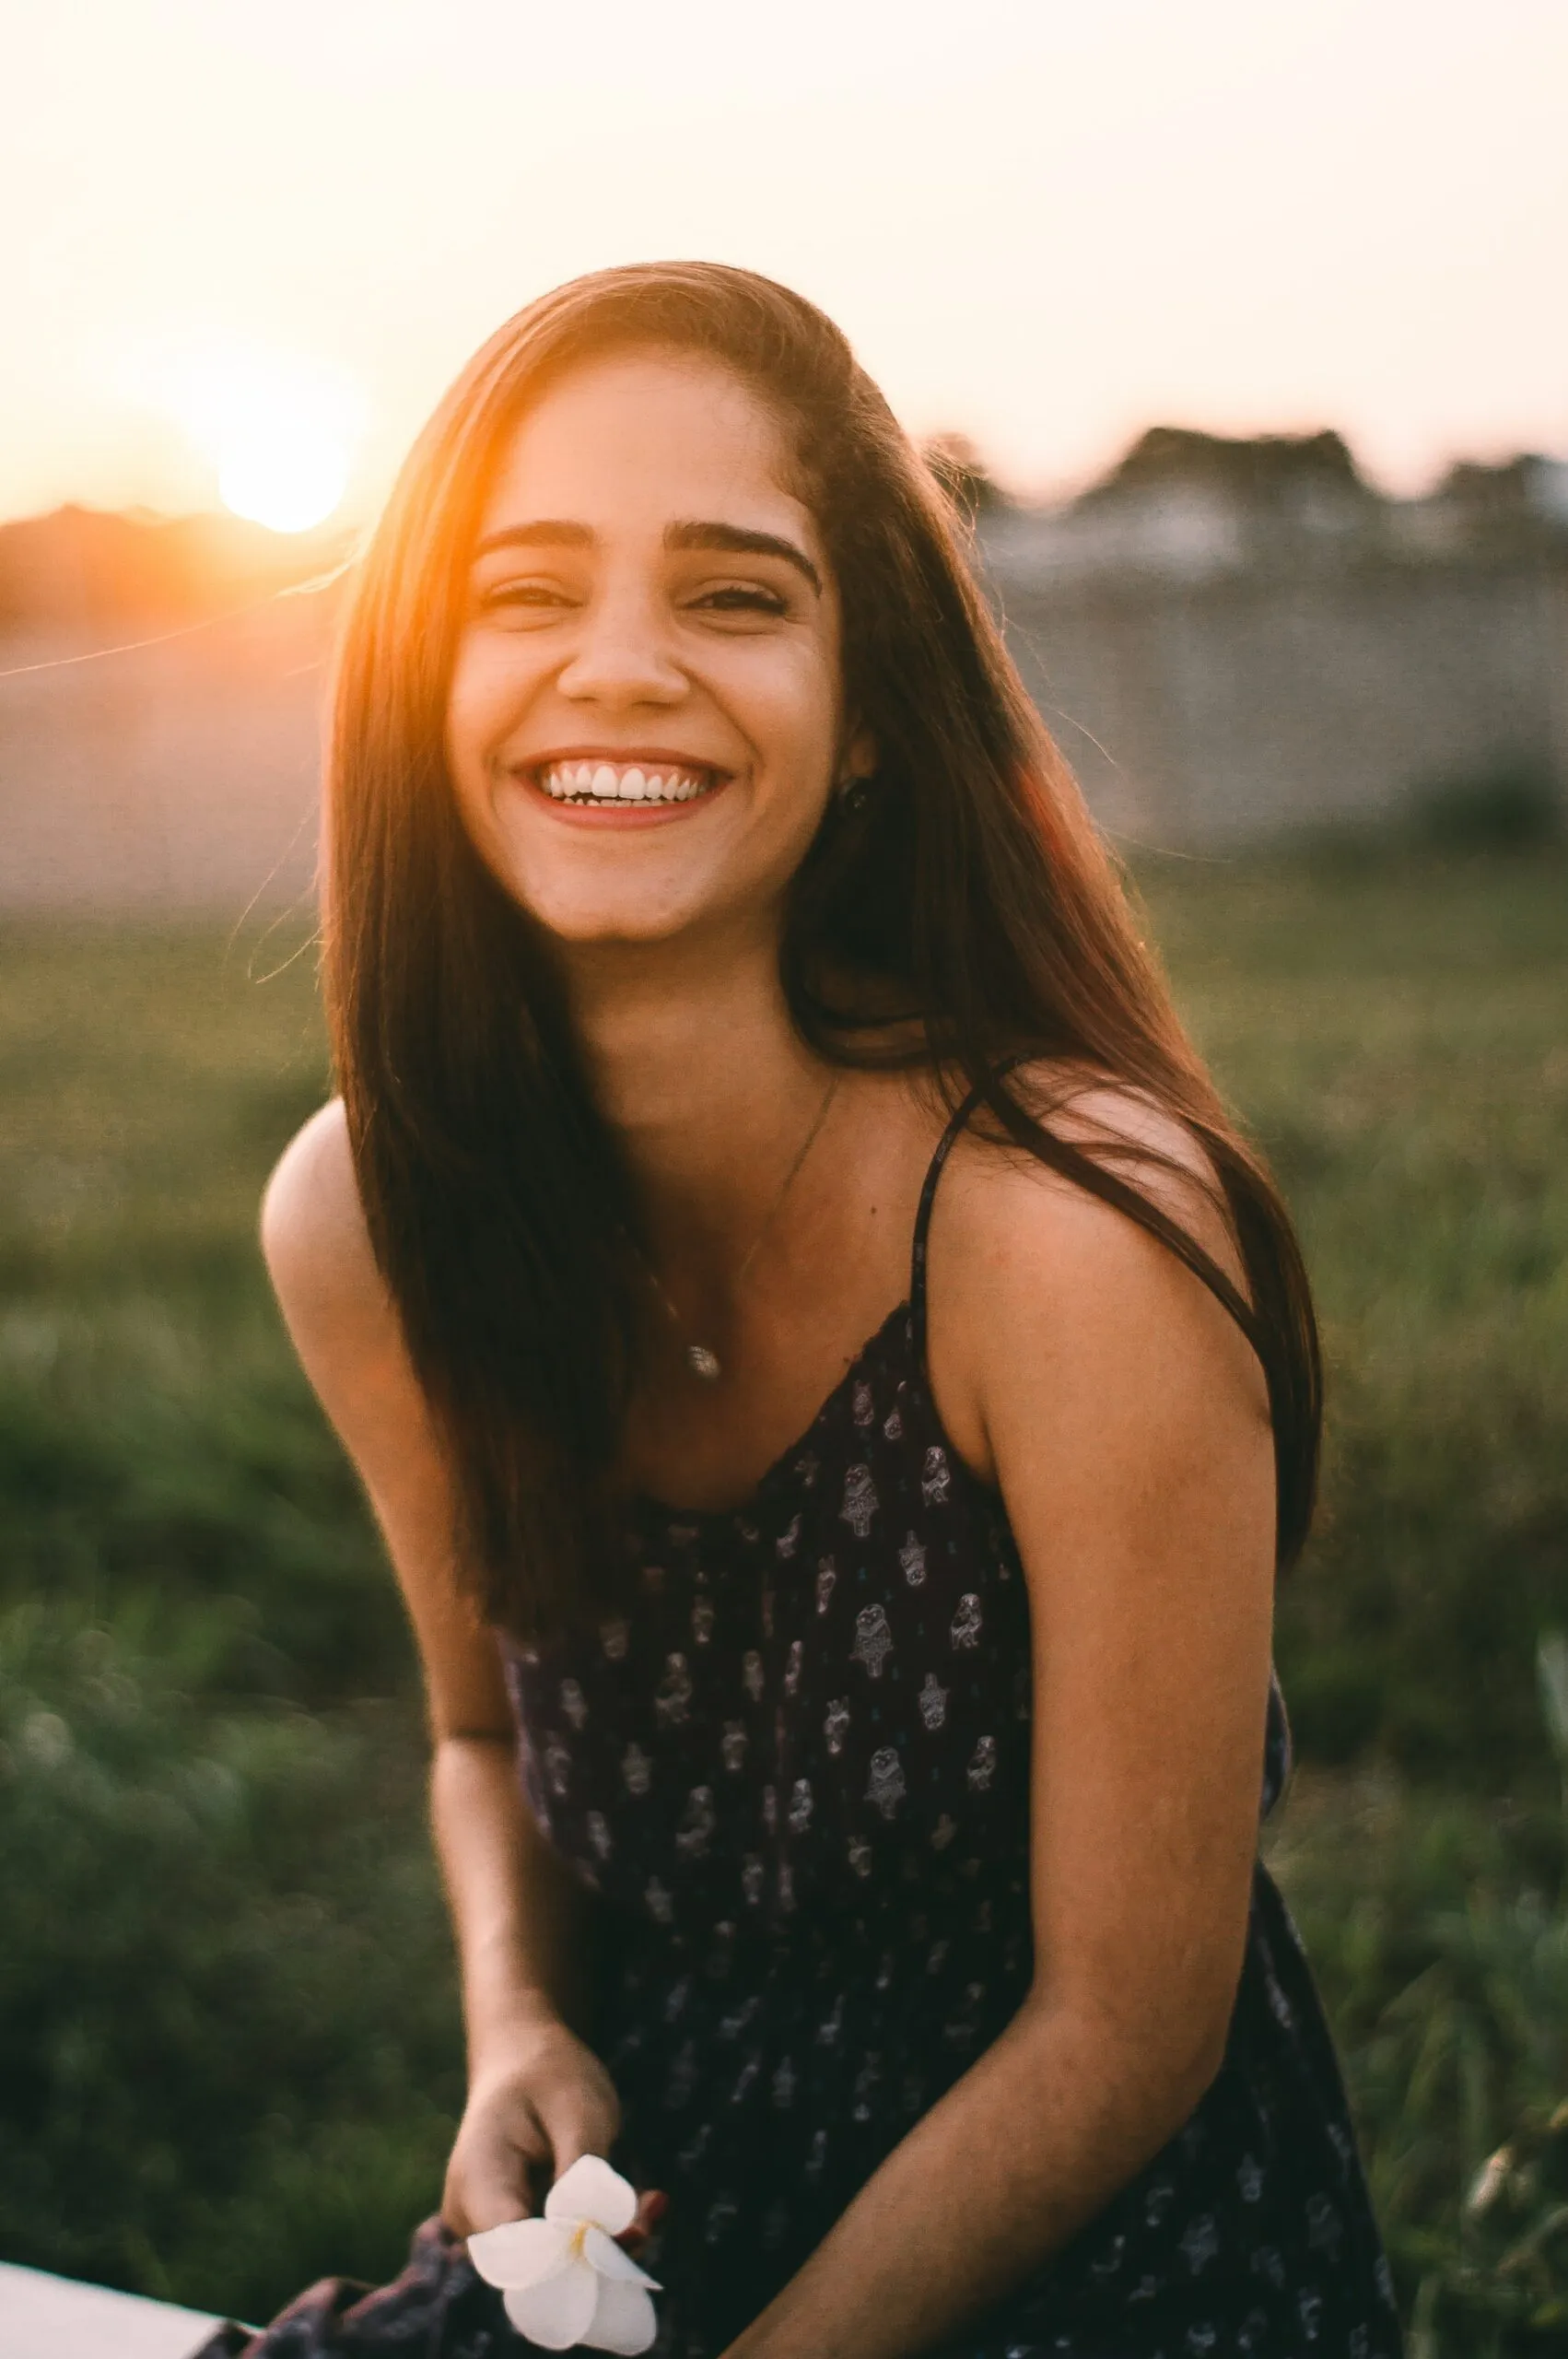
<point>848,1751</point>
<point>714,635</point>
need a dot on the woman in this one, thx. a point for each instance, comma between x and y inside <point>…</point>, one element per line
<point>879,1890</point>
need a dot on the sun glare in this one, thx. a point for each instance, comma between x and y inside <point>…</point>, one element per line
<point>279,429</point>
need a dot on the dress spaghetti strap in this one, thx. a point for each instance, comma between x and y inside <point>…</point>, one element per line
<point>945,1145</point>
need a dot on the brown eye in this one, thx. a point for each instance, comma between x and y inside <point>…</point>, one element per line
<point>735,600</point>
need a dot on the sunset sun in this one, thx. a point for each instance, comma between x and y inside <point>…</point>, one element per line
<point>278,429</point>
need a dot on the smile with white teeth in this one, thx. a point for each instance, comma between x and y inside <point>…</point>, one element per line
<point>605,786</point>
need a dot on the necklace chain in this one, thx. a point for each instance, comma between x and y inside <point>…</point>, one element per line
<point>702,1360</point>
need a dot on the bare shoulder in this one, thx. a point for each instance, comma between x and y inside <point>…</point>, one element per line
<point>312,1227</point>
<point>1038,1285</point>
<point>1004,1196</point>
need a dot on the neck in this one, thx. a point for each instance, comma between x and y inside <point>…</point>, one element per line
<point>698,1067</point>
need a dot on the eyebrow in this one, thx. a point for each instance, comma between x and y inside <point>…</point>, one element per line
<point>734,540</point>
<point>738,540</point>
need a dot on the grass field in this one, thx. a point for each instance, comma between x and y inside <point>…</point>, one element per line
<point>229,2052</point>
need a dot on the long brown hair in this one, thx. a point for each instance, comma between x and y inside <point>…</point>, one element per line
<point>969,887</point>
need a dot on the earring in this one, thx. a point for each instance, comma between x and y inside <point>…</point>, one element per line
<point>853,795</point>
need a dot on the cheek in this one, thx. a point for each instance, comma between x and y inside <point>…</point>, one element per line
<point>795,724</point>
<point>477,707</point>
<point>795,715</point>
<point>476,723</point>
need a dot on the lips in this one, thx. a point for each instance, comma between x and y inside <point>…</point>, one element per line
<point>593,783</point>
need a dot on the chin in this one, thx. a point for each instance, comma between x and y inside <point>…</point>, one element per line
<point>587,917</point>
<point>610,891</point>
<point>586,928</point>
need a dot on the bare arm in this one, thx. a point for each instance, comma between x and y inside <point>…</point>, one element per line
<point>1125,1421</point>
<point>537,2097</point>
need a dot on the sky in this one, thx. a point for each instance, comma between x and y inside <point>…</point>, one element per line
<point>1046,225</point>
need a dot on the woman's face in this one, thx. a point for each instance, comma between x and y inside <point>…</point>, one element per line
<point>645,720</point>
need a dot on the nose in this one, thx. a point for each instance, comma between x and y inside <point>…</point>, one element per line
<point>624,653</point>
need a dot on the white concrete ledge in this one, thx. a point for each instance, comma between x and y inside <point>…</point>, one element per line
<point>53,2318</point>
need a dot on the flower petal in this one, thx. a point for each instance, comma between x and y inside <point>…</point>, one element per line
<point>520,2252</point>
<point>611,2259</point>
<point>592,2190</point>
<point>622,2319</point>
<point>558,2312</point>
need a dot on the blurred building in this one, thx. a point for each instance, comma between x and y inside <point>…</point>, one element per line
<point>1235,641</point>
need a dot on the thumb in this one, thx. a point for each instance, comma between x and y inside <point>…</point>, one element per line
<point>489,2178</point>
<point>492,2196</point>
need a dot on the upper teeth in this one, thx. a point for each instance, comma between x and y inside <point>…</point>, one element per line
<point>620,783</point>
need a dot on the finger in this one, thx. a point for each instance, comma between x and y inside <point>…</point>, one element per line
<point>651,2206</point>
<point>487,2190</point>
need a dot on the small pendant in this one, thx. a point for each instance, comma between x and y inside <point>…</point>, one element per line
<point>703,1363</point>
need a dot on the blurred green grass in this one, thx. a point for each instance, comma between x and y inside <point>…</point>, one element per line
<point>1396,1035</point>
<point>154,1429</point>
<point>228,2048</point>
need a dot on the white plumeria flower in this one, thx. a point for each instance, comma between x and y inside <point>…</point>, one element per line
<point>564,2277</point>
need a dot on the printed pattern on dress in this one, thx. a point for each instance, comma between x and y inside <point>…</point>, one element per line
<point>794,1776</point>
<point>796,1772</point>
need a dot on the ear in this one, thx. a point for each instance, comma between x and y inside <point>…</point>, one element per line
<point>858,759</point>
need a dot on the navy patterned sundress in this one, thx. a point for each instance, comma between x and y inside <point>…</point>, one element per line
<point>794,1774</point>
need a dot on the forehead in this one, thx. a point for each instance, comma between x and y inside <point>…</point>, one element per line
<point>632,441</point>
